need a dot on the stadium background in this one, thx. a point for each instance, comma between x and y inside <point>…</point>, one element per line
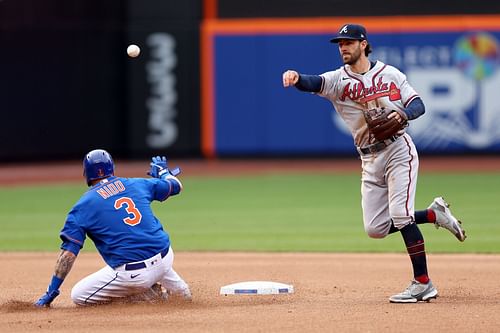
<point>264,198</point>
<point>208,80</point>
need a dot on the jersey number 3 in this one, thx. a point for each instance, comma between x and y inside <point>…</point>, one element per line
<point>131,209</point>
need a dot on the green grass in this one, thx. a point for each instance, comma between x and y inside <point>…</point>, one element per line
<point>267,213</point>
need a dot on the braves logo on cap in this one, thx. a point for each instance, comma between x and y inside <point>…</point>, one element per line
<point>350,31</point>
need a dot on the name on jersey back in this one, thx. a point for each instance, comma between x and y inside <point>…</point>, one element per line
<point>108,190</point>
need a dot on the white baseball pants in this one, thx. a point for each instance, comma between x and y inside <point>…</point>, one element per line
<point>110,284</point>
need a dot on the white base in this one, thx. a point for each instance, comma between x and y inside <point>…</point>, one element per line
<point>256,288</point>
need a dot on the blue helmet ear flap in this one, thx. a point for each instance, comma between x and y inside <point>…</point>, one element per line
<point>97,164</point>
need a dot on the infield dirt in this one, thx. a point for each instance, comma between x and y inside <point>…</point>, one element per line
<point>333,293</point>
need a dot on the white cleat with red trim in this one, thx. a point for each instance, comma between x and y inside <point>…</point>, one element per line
<point>445,219</point>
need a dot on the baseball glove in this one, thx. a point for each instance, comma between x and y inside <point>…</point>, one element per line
<point>383,127</point>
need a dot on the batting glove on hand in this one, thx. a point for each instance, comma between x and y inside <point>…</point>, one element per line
<point>46,299</point>
<point>159,166</point>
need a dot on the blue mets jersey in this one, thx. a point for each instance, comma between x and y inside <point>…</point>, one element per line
<point>116,215</point>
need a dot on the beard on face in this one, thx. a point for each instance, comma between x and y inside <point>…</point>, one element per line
<point>352,58</point>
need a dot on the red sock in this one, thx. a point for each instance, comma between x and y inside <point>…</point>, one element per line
<point>431,216</point>
<point>422,279</point>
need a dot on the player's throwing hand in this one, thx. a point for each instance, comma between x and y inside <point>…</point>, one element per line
<point>290,78</point>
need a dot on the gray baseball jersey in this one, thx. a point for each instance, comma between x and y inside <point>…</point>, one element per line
<point>389,175</point>
<point>352,93</point>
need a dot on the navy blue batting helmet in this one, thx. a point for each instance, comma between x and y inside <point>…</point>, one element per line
<point>97,164</point>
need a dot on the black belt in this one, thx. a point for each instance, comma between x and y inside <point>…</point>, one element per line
<point>379,146</point>
<point>140,265</point>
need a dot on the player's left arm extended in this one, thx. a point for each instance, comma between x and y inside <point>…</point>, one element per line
<point>63,267</point>
<point>159,169</point>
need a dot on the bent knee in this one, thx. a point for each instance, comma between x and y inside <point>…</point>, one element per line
<point>401,221</point>
<point>76,297</point>
<point>375,232</point>
<point>79,297</point>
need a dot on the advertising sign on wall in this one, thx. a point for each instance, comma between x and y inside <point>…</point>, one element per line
<point>163,82</point>
<point>452,63</point>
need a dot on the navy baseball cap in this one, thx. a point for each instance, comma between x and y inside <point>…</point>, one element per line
<point>350,31</point>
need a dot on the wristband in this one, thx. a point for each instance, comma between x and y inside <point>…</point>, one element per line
<point>55,283</point>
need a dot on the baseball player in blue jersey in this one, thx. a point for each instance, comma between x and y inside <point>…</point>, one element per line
<point>376,102</point>
<point>115,213</point>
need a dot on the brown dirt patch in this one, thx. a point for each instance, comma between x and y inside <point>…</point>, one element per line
<point>71,171</point>
<point>333,293</point>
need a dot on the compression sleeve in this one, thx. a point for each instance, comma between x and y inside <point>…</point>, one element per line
<point>415,109</point>
<point>310,83</point>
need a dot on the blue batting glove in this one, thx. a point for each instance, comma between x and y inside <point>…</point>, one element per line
<point>161,161</point>
<point>175,171</point>
<point>158,166</point>
<point>52,292</point>
<point>46,299</point>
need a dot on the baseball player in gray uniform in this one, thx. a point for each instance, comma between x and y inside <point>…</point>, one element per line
<point>376,102</point>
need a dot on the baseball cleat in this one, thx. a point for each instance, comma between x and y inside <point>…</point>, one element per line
<point>416,292</point>
<point>445,219</point>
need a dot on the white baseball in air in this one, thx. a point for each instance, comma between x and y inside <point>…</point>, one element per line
<point>133,50</point>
